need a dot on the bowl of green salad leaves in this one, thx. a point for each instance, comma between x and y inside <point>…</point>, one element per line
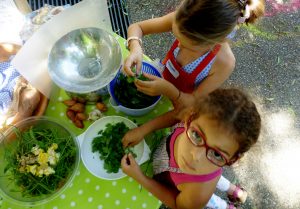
<point>102,148</point>
<point>39,159</point>
<point>126,98</point>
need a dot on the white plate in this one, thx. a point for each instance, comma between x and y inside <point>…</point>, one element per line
<point>92,161</point>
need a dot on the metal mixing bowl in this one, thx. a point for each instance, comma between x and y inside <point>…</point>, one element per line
<point>84,61</point>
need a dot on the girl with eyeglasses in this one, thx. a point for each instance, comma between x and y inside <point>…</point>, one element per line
<point>214,132</point>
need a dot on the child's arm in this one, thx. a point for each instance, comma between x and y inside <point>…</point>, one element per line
<point>220,72</point>
<point>191,195</point>
<point>156,86</point>
<point>140,29</point>
<point>134,136</point>
<point>159,86</point>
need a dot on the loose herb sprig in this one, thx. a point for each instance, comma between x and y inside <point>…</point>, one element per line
<point>32,185</point>
<point>109,145</point>
<point>154,141</point>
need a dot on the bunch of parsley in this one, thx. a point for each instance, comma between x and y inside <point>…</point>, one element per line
<point>109,145</point>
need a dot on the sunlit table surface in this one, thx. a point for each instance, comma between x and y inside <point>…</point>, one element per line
<point>88,191</point>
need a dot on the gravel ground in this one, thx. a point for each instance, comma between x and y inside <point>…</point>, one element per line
<point>268,68</point>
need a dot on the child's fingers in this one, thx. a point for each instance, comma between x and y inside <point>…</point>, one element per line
<point>138,67</point>
<point>124,161</point>
<point>145,90</point>
<point>128,64</point>
<point>151,77</point>
<point>131,159</point>
<point>127,70</point>
<point>125,142</point>
<point>143,84</point>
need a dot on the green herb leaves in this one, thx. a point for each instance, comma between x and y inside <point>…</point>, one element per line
<point>127,94</point>
<point>109,146</point>
<point>20,167</point>
<point>89,42</point>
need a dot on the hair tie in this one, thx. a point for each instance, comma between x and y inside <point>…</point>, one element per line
<point>242,3</point>
<point>246,14</point>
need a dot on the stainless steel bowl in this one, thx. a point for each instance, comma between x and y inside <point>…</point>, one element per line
<point>84,61</point>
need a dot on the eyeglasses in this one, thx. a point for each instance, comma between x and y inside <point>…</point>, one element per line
<point>198,139</point>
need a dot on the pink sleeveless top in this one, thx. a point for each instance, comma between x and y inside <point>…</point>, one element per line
<point>177,176</point>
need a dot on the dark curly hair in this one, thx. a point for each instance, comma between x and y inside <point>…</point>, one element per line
<point>234,111</point>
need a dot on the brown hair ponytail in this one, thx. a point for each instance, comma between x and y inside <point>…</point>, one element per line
<point>210,21</point>
<point>256,7</point>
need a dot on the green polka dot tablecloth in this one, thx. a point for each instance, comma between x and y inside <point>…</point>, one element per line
<point>87,191</point>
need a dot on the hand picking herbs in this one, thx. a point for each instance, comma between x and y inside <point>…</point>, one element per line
<point>109,145</point>
<point>39,161</point>
<point>127,94</point>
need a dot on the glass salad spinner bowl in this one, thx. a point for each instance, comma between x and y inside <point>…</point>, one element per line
<point>39,158</point>
<point>84,61</point>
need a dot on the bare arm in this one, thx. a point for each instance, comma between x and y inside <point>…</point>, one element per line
<point>134,136</point>
<point>220,72</point>
<point>140,29</point>
<point>155,25</point>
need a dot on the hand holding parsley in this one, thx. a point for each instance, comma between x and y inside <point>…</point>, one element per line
<point>109,145</point>
<point>130,166</point>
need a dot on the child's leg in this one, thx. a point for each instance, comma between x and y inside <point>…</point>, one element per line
<point>216,202</point>
<point>234,192</point>
<point>223,184</point>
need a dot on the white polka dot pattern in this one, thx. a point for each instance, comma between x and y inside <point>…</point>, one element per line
<point>73,204</point>
<point>8,78</point>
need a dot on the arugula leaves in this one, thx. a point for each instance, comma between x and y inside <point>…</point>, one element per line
<point>30,185</point>
<point>127,94</point>
<point>109,145</point>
